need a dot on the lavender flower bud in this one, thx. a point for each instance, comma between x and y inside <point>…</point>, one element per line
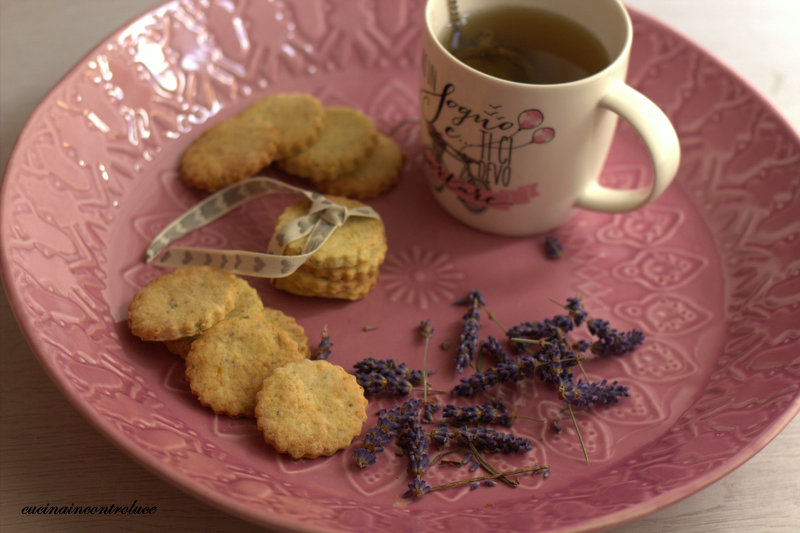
<point>429,409</point>
<point>492,347</point>
<point>323,350</point>
<point>425,329</point>
<point>594,393</point>
<point>377,376</point>
<point>489,440</point>
<point>493,412</point>
<point>610,341</point>
<point>416,488</point>
<point>576,311</point>
<point>552,247</point>
<point>474,298</point>
<point>465,353</point>
<point>441,435</point>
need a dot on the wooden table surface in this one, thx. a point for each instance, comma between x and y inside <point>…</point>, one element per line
<point>50,454</point>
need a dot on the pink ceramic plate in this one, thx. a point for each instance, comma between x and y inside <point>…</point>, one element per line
<point>709,272</point>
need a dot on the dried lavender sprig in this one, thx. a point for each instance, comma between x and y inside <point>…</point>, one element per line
<point>492,412</point>
<point>583,394</point>
<point>468,341</point>
<point>482,438</point>
<point>389,421</point>
<point>515,369</point>
<point>479,460</point>
<point>414,442</point>
<point>443,433</point>
<point>376,376</point>
<point>376,383</point>
<point>532,470</point>
<point>388,366</point>
<point>610,341</point>
<point>551,329</point>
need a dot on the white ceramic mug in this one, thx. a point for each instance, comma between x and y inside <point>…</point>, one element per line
<point>558,134</point>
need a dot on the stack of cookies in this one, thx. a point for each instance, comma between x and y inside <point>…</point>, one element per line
<point>278,126</point>
<point>350,158</point>
<point>345,266</point>
<point>245,360</point>
<point>338,149</point>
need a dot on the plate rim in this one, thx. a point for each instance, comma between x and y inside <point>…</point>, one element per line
<point>231,506</point>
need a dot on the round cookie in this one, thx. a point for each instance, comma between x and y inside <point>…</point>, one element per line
<point>310,409</point>
<point>229,151</point>
<point>359,241</point>
<point>377,174</point>
<point>182,303</point>
<point>348,138</point>
<point>227,364</point>
<point>298,118</point>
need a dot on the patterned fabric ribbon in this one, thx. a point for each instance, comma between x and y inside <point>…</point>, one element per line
<point>322,219</point>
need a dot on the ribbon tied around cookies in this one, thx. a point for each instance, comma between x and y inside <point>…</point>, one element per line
<point>322,219</point>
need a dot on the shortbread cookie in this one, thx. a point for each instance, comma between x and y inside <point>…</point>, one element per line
<point>229,151</point>
<point>298,118</point>
<point>345,143</point>
<point>281,320</point>
<point>377,174</point>
<point>310,409</point>
<point>248,303</point>
<point>359,241</point>
<point>228,363</point>
<point>182,303</point>
<point>304,283</point>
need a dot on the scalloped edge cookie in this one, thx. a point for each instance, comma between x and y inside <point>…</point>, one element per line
<point>182,303</point>
<point>227,364</point>
<point>345,143</point>
<point>228,152</point>
<point>299,119</point>
<point>310,409</point>
<point>377,174</point>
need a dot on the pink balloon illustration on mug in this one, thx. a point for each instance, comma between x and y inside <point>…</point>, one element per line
<point>543,135</point>
<point>529,119</point>
<point>533,118</point>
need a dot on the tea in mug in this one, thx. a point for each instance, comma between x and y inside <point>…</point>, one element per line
<point>526,45</point>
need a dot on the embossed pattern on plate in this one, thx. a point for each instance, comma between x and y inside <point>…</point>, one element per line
<point>710,272</point>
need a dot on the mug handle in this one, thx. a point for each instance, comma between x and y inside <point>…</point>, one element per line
<point>661,141</point>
